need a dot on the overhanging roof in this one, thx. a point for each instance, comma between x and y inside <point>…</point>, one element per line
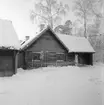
<point>76,44</point>
<point>8,36</point>
<point>31,40</point>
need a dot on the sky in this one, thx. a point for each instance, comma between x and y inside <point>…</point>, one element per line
<point>18,11</point>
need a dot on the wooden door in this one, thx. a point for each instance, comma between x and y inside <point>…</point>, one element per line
<point>6,66</point>
<point>50,58</point>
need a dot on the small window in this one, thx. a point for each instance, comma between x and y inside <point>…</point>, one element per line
<point>47,38</point>
<point>60,56</point>
<point>36,56</point>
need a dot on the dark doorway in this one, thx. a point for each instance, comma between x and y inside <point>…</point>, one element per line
<point>85,58</point>
<point>6,66</point>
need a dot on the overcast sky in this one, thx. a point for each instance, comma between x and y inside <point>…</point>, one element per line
<point>18,11</point>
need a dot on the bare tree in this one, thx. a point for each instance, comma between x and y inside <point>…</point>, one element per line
<point>76,27</point>
<point>87,9</point>
<point>49,11</point>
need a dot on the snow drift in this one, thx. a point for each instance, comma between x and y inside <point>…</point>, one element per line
<point>54,86</point>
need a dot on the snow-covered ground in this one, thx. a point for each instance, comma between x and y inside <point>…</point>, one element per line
<point>54,86</point>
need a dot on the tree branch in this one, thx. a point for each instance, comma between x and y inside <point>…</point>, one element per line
<point>36,14</point>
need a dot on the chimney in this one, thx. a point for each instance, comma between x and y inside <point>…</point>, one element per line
<point>27,38</point>
<point>42,26</point>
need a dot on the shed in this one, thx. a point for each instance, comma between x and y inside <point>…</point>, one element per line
<point>80,46</point>
<point>49,48</point>
<point>9,46</point>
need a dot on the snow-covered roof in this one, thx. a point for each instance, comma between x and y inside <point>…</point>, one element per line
<point>72,43</point>
<point>8,36</point>
<point>76,44</point>
<point>32,39</point>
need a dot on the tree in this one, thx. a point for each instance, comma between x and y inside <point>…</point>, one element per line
<point>64,29</point>
<point>48,12</point>
<point>93,29</point>
<point>87,9</point>
<point>76,27</point>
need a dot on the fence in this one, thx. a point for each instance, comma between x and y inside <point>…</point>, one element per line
<point>37,64</point>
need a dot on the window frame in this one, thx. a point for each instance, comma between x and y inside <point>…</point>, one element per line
<point>33,56</point>
<point>60,54</point>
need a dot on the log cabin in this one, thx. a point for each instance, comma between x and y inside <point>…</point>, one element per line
<point>53,49</point>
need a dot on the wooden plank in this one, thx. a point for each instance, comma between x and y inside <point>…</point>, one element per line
<point>14,62</point>
<point>76,59</point>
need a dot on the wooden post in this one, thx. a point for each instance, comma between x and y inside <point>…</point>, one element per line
<point>32,63</point>
<point>16,61</point>
<point>24,60</point>
<point>46,56</point>
<point>56,60</point>
<point>91,59</point>
<point>41,58</point>
<point>14,64</point>
<point>65,59</point>
<point>76,59</point>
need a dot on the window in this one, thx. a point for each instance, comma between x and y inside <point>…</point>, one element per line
<point>36,56</point>
<point>60,56</point>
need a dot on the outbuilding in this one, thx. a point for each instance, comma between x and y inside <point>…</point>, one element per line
<point>49,48</point>
<point>9,46</point>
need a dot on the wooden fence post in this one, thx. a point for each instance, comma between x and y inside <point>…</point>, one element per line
<point>41,57</point>
<point>76,59</point>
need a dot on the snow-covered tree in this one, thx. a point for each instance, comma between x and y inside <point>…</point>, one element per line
<point>87,9</point>
<point>49,12</point>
